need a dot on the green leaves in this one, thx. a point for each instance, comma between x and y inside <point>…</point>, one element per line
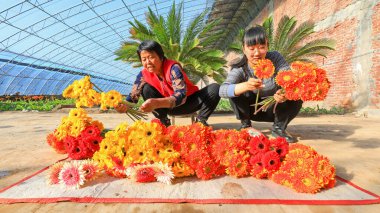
<point>289,40</point>
<point>190,47</point>
<point>40,105</point>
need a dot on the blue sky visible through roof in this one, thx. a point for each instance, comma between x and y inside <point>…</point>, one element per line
<point>72,37</point>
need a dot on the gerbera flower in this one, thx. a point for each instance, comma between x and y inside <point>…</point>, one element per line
<point>79,152</point>
<point>112,98</point>
<point>321,90</point>
<point>58,145</point>
<point>206,169</point>
<point>98,124</point>
<point>143,174</point>
<point>239,165</point>
<point>90,168</point>
<point>323,170</point>
<point>165,174</point>
<point>106,146</point>
<point>259,171</point>
<point>330,184</point>
<point>305,183</point>
<point>281,177</point>
<point>161,127</point>
<point>71,175</point>
<point>320,75</point>
<point>181,169</point>
<point>118,164</point>
<point>168,155</point>
<point>264,68</point>
<point>77,127</point>
<point>60,133</point>
<point>137,155</point>
<point>256,159</point>
<point>293,93</point>
<point>220,150</point>
<point>103,101</point>
<point>280,145</point>
<point>92,142</point>
<point>271,161</point>
<point>286,78</point>
<point>70,142</point>
<point>121,129</point>
<point>259,144</point>
<point>78,113</point>
<point>53,174</point>
<point>94,97</point>
<point>194,157</point>
<point>69,92</point>
<point>91,130</point>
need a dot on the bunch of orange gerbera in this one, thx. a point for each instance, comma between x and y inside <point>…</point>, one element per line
<point>304,170</point>
<point>304,82</point>
<point>194,145</point>
<point>230,148</point>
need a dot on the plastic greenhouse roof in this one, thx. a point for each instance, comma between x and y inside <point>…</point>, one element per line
<point>46,44</point>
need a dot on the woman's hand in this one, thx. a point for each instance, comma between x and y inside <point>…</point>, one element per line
<point>149,105</point>
<point>279,96</point>
<point>250,85</point>
<point>121,107</point>
<point>253,84</point>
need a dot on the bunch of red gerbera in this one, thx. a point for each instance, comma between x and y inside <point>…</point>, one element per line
<point>85,145</point>
<point>266,155</point>
<point>304,170</point>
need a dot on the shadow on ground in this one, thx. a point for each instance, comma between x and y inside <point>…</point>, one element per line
<point>342,172</point>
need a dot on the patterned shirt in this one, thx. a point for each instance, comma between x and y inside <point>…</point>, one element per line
<point>178,84</point>
<point>237,75</point>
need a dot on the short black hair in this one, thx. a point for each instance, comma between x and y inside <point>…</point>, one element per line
<point>150,46</point>
<point>255,35</point>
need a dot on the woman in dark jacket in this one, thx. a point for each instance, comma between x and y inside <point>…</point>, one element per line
<point>241,86</point>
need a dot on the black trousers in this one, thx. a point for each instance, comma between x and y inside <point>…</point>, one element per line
<point>205,100</point>
<point>284,113</point>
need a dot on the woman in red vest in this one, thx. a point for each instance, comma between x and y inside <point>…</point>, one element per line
<point>166,88</point>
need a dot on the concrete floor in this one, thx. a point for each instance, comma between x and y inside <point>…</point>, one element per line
<point>352,144</point>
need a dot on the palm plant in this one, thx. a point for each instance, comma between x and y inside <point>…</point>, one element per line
<point>288,40</point>
<point>190,47</point>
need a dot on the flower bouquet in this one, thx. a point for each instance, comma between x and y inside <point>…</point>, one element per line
<point>304,82</point>
<point>305,171</point>
<point>73,174</point>
<point>138,144</point>
<point>82,90</point>
<point>77,135</point>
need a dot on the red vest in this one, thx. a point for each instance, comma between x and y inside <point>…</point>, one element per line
<point>165,86</point>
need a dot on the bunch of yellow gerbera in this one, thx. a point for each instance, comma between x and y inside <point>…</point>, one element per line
<point>75,123</point>
<point>142,142</point>
<point>82,90</point>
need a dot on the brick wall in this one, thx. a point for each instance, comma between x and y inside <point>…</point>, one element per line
<point>343,21</point>
<point>375,71</point>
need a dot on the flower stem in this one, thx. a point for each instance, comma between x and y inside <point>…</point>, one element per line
<point>100,90</point>
<point>257,99</point>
